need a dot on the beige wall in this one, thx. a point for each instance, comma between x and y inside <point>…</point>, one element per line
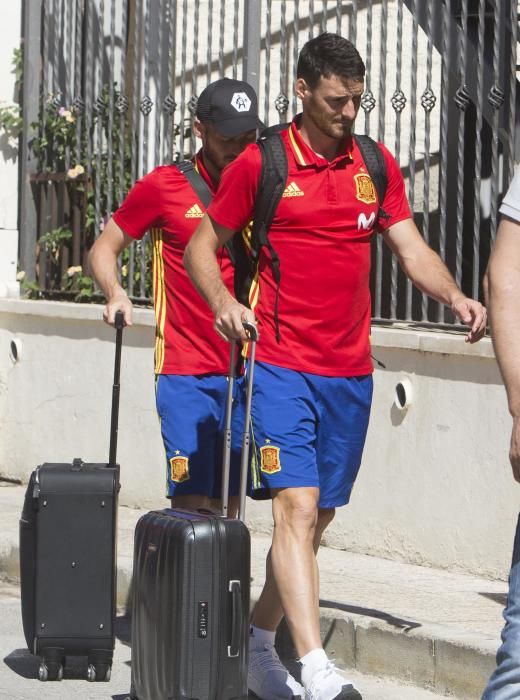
<point>435,486</point>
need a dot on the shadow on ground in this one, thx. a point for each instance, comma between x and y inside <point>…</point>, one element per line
<point>397,622</point>
<point>500,598</point>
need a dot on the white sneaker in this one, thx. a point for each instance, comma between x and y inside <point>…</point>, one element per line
<point>328,684</point>
<point>268,678</point>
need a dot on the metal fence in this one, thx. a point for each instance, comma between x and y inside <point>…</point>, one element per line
<point>122,78</point>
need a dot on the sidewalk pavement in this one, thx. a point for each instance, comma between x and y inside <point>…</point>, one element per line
<point>428,627</point>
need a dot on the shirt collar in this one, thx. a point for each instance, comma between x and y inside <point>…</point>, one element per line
<point>305,156</point>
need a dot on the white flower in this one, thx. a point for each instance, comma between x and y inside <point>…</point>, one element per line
<point>73,173</point>
<point>73,270</point>
<point>66,114</point>
<point>20,276</point>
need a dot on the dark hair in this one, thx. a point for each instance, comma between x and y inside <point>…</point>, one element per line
<point>326,55</point>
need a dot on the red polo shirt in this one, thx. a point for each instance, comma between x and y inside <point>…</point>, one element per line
<point>164,202</point>
<point>321,232</point>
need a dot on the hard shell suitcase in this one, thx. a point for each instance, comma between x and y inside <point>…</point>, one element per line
<point>191,586</point>
<point>68,557</point>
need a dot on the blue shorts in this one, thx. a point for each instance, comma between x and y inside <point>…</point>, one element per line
<point>308,430</point>
<point>192,414</point>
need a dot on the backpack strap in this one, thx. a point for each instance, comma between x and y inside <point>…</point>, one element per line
<point>202,191</point>
<point>196,181</point>
<point>273,178</point>
<point>376,166</point>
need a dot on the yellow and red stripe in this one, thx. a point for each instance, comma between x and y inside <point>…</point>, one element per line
<point>159,296</point>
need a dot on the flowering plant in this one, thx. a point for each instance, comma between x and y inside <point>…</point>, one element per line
<point>61,146</point>
<point>55,137</point>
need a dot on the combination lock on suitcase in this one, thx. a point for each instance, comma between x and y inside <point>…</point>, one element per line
<point>191,588</point>
<point>68,557</point>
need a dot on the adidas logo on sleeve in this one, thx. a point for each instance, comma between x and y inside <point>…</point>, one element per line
<point>194,212</point>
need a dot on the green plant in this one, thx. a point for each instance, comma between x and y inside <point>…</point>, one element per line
<point>31,289</point>
<point>71,284</point>
<point>80,285</point>
<point>11,122</point>
<point>60,142</point>
<point>55,137</point>
<point>17,63</point>
<point>52,241</point>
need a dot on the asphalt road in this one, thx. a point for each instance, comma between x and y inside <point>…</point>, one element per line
<point>18,669</point>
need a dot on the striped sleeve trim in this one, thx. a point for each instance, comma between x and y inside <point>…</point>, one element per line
<point>159,296</point>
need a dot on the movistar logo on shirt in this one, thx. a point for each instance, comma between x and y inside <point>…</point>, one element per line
<point>292,190</point>
<point>194,212</point>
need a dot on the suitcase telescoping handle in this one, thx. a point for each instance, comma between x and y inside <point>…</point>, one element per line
<point>252,333</point>
<point>119,323</point>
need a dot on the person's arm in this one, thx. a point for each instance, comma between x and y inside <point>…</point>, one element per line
<point>504,310</point>
<point>200,261</point>
<point>427,271</point>
<point>102,263</point>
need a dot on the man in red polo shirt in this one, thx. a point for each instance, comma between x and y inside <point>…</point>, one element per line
<point>191,363</point>
<point>313,380</point>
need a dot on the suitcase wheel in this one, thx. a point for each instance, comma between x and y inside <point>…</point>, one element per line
<point>50,671</point>
<point>99,672</point>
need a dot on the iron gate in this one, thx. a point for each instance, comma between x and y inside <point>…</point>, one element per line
<point>122,78</point>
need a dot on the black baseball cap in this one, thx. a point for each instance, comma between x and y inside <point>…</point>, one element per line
<point>230,105</point>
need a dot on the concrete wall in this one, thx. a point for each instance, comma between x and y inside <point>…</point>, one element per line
<point>435,486</point>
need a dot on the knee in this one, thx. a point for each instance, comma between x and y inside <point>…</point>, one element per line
<point>296,509</point>
<point>325,517</point>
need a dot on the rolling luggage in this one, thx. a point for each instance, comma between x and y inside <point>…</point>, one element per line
<point>191,585</point>
<point>68,557</point>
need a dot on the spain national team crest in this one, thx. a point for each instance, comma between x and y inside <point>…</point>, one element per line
<point>365,190</point>
<point>179,469</point>
<point>270,459</point>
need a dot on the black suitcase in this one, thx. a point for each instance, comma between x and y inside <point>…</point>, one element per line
<point>68,557</point>
<point>191,586</point>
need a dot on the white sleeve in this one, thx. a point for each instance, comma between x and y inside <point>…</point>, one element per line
<point>511,203</point>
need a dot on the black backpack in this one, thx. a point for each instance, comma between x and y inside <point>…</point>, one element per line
<point>244,249</point>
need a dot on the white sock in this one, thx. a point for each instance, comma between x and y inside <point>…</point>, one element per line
<point>258,638</point>
<point>312,661</point>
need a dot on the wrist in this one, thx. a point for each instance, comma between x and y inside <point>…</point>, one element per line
<point>117,293</point>
<point>456,297</point>
<point>222,300</point>
<point>514,410</point>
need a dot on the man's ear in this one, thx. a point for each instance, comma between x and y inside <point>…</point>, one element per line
<point>301,88</point>
<point>198,128</point>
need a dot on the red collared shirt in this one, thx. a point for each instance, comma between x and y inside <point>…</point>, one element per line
<point>164,201</point>
<point>321,232</point>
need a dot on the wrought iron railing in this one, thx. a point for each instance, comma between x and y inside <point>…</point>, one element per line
<point>440,92</point>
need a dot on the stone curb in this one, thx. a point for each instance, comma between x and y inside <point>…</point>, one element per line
<point>430,657</point>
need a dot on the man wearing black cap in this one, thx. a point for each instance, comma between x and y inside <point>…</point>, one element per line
<point>190,362</point>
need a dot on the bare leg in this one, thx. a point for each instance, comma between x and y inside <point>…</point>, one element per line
<point>292,580</point>
<point>268,610</point>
